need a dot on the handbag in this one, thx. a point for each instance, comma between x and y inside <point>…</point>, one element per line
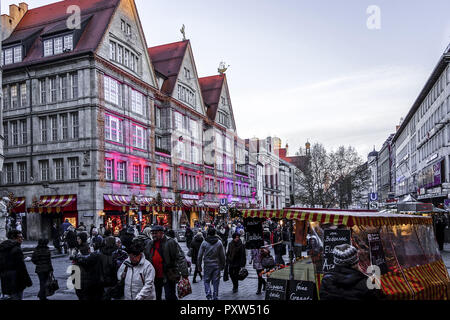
<point>51,286</point>
<point>267,262</point>
<point>184,288</point>
<point>243,273</point>
<point>118,291</point>
<point>189,253</point>
<point>226,273</point>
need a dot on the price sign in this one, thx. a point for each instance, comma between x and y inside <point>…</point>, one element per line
<point>301,290</point>
<point>276,289</point>
<point>331,239</point>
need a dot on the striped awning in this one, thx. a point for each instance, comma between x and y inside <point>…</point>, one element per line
<point>118,201</point>
<point>55,203</point>
<point>188,203</point>
<point>18,205</point>
<point>168,202</point>
<point>145,201</point>
<point>348,218</point>
<point>211,204</point>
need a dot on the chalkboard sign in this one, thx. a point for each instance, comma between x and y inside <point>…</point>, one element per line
<point>253,233</point>
<point>276,289</point>
<point>377,257</point>
<point>331,239</point>
<point>300,290</point>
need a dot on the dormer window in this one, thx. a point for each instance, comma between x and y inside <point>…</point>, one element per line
<point>186,95</point>
<point>223,119</point>
<point>58,45</point>
<point>12,55</point>
<point>187,73</point>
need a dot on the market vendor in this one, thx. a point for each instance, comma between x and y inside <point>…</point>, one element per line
<point>346,281</point>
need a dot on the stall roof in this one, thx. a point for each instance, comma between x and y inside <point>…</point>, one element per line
<point>335,216</point>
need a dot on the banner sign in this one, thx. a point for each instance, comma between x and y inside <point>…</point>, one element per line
<point>331,239</point>
<point>254,233</point>
<point>377,257</point>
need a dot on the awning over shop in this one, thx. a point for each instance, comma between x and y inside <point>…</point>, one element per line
<point>118,201</point>
<point>52,204</point>
<point>18,205</point>
<point>349,218</point>
<point>145,201</point>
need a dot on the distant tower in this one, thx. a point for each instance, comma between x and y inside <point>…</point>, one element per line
<point>308,148</point>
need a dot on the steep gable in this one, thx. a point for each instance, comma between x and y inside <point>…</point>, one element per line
<point>127,49</point>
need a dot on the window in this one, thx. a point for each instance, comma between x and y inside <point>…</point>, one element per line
<point>22,168</point>
<point>74,164</point>
<point>178,121</point>
<point>75,125</point>
<point>158,117</point>
<point>9,169</point>
<point>121,173</point>
<point>15,133</point>
<point>187,73</point>
<point>5,133</point>
<point>17,54</point>
<point>24,131</point>
<point>43,91</point>
<point>186,95</point>
<point>63,86</point>
<point>136,173</point>
<point>53,89</point>
<point>58,45</point>
<point>228,144</point>
<point>111,88</point>
<point>14,100</point>
<point>54,127</point>
<point>194,129</point>
<point>113,128</point>
<point>126,57</point>
<point>44,170</point>
<point>6,100</point>
<point>158,142</point>
<point>64,126</point>
<point>112,50</point>
<point>109,169</point>
<point>74,84</point>
<point>122,25</point>
<point>147,175</point>
<point>120,54</point>
<point>68,42</point>
<point>159,176</point>
<point>23,95</point>
<point>181,152</point>
<point>138,134</point>
<point>132,60</point>
<point>128,30</point>
<point>48,48</point>
<point>137,104</point>
<point>195,155</point>
<point>219,140</point>
<point>167,178</point>
<point>43,129</point>
<point>59,169</point>
<point>8,56</point>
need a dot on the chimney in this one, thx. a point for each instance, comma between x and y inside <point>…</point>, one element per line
<point>10,22</point>
<point>287,149</point>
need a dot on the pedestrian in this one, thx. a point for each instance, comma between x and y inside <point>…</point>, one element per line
<point>195,247</point>
<point>127,236</point>
<point>213,255</point>
<point>279,247</point>
<point>70,239</point>
<point>42,258</point>
<point>441,224</point>
<point>96,240</point>
<point>109,266</point>
<point>189,234</point>
<point>223,237</point>
<point>119,255</point>
<point>169,262</point>
<point>138,273</point>
<point>346,281</point>
<point>147,233</point>
<point>257,255</point>
<point>13,271</point>
<point>83,247</point>
<point>65,225</point>
<point>236,259</point>
<point>91,273</point>
<point>56,236</point>
<point>171,234</point>
<point>81,227</point>
<point>102,230</point>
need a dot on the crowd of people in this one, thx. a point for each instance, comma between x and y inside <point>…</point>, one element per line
<point>141,265</point>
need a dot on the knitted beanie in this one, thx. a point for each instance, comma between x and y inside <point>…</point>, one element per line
<point>345,255</point>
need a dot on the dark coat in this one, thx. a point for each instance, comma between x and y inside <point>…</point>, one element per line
<point>126,239</point>
<point>236,256</point>
<point>195,245</point>
<point>91,271</point>
<point>172,255</point>
<point>71,239</point>
<point>108,264</point>
<point>13,272</point>
<point>346,283</point>
<point>279,249</point>
<point>42,258</point>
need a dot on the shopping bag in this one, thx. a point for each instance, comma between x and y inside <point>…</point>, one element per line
<point>243,273</point>
<point>184,288</point>
<point>51,285</point>
<point>226,274</point>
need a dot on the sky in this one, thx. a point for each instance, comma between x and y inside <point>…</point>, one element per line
<point>309,70</point>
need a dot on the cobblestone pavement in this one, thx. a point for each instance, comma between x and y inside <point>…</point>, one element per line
<point>247,288</point>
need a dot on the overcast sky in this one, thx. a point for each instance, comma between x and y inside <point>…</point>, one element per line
<point>309,69</point>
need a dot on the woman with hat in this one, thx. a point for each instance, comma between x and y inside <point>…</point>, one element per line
<point>346,281</point>
<point>236,259</point>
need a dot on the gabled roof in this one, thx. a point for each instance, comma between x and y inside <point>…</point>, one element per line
<point>211,89</point>
<point>167,60</point>
<point>95,18</point>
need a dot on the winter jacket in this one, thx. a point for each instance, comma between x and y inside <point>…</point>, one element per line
<point>346,283</point>
<point>65,226</point>
<point>279,249</point>
<point>236,256</point>
<point>126,238</point>
<point>195,246</point>
<point>212,253</point>
<point>42,258</point>
<point>119,256</point>
<point>139,280</point>
<point>172,255</point>
<point>13,272</point>
<point>257,258</point>
<point>109,267</point>
<point>71,239</point>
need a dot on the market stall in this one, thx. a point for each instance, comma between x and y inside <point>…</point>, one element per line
<point>402,246</point>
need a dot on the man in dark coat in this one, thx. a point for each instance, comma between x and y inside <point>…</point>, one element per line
<point>279,249</point>
<point>189,234</point>
<point>236,259</point>
<point>13,272</point>
<point>169,262</point>
<point>42,258</point>
<point>127,236</point>
<point>441,224</point>
<point>345,281</point>
<point>195,247</point>
<point>70,238</point>
<point>56,236</point>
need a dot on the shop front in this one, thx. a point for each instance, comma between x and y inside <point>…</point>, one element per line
<point>56,209</point>
<point>211,211</point>
<point>115,212</point>
<point>18,215</point>
<point>145,214</point>
<point>430,184</point>
<point>163,214</point>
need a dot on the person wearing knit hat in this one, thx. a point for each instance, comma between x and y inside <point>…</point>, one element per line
<point>346,281</point>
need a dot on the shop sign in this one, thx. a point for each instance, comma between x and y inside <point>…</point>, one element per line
<point>253,233</point>
<point>377,257</point>
<point>300,290</point>
<point>190,196</point>
<point>276,289</point>
<point>431,176</point>
<point>333,238</point>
